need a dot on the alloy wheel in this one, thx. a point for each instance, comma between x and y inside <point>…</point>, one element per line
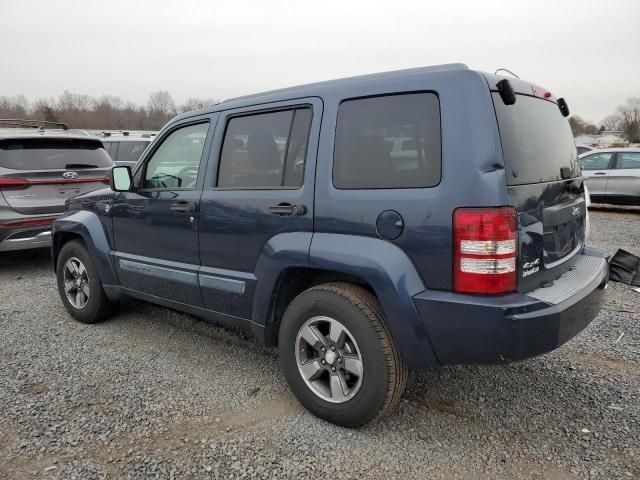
<point>76,283</point>
<point>329,359</point>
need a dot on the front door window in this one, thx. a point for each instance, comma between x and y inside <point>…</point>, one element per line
<point>176,163</point>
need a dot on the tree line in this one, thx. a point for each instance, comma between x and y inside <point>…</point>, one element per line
<point>109,112</point>
<point>626,119</point>
<point>106,112</point>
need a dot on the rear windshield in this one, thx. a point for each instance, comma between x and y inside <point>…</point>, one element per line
<point>536,140</point>
<point>58,154</point>
<point>130,151</point>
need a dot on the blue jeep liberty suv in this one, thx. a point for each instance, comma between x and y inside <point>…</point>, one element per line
<point>364,226</point>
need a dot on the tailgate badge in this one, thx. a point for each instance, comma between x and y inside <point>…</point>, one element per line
<point>576,210</point>
<point>70,175</point>
<point>530,268</point>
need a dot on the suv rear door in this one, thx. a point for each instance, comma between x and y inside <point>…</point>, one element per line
<point>543,184</point>
<point>37,175</point>
<point>624,179</point>
<point>596,168</point>
<point>260,185</point>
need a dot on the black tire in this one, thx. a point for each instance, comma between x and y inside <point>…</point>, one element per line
<point>384,371</point>
<point>98,306</point>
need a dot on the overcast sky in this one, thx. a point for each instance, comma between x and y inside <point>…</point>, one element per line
<point>586,51</point>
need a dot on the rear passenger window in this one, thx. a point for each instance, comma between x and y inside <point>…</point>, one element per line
<point>388,142</point>
<point>266,150</point>
<point>628,160</point>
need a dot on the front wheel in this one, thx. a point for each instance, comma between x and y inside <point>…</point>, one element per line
<point>338,356</point>
<point>79,285</point>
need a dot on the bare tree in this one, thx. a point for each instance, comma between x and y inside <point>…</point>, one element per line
<point>44,109</point>
<point>104,112</point>
<point>13,107</point>
<point>107,110</point>
<point>630,118</point>
<point>160,108</point>
<point>192,103</point>
<point>611,122</point>
<point>581,127</point>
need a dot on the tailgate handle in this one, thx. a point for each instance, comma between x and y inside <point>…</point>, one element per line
<point>600,173</point>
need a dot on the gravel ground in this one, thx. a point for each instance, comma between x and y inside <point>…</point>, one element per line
<point>154,393</point>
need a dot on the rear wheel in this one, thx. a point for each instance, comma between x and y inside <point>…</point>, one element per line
<point>79,285</point>
<point>338,356</point>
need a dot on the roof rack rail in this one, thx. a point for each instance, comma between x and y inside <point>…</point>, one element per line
<point>27,123</point>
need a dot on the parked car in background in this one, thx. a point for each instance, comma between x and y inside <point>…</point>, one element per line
<point>613,175</point>
<point>356,225</point>
<point>39,171</point>
<point>126,149</point>
<point>583,149</point>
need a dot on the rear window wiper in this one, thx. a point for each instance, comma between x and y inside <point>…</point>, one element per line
<point>71,166</point>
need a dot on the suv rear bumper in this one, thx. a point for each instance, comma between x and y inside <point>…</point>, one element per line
<point>468,329</point>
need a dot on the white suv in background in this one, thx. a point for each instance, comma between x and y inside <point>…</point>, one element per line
<point>613,175</point>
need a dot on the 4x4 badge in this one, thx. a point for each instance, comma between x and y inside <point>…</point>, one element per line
<point>530,268</point>
<point>70,175</point>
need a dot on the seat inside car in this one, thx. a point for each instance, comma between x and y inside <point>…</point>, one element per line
<point>264,161</point>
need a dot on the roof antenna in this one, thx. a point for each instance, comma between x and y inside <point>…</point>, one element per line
<point>505,70</point>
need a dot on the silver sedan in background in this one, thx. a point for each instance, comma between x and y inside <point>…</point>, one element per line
<point>613,175</point>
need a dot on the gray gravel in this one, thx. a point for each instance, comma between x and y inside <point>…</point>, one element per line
<point>154,393</point>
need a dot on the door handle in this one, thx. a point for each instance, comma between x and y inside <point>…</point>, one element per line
<point>287,209</point>
<point>185,207</point>
<point>599,173</point>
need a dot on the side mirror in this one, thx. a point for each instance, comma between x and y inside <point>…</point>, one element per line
<point>121,179</point>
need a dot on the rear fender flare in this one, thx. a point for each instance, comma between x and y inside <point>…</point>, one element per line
<point>282,251</point>
<point>394,280</point>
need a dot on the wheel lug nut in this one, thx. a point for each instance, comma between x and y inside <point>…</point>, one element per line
<point>339,360</point>
<point>333,348</point>
<point>323,362</point>
<point>333,369</point>
<point>323,349</point>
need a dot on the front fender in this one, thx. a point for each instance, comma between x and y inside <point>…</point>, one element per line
<point>86,225</point>
<point>394,280</point>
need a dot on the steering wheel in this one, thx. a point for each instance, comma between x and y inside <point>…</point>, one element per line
<point>190,171</point>
<point>158,178</point>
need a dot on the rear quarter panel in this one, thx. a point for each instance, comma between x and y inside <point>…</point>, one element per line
<point>472,173</point>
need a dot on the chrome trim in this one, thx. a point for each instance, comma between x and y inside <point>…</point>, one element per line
<point>41,239</point>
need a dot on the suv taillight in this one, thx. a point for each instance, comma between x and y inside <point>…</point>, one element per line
<point>9,183</point>
<point>485,250</point>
